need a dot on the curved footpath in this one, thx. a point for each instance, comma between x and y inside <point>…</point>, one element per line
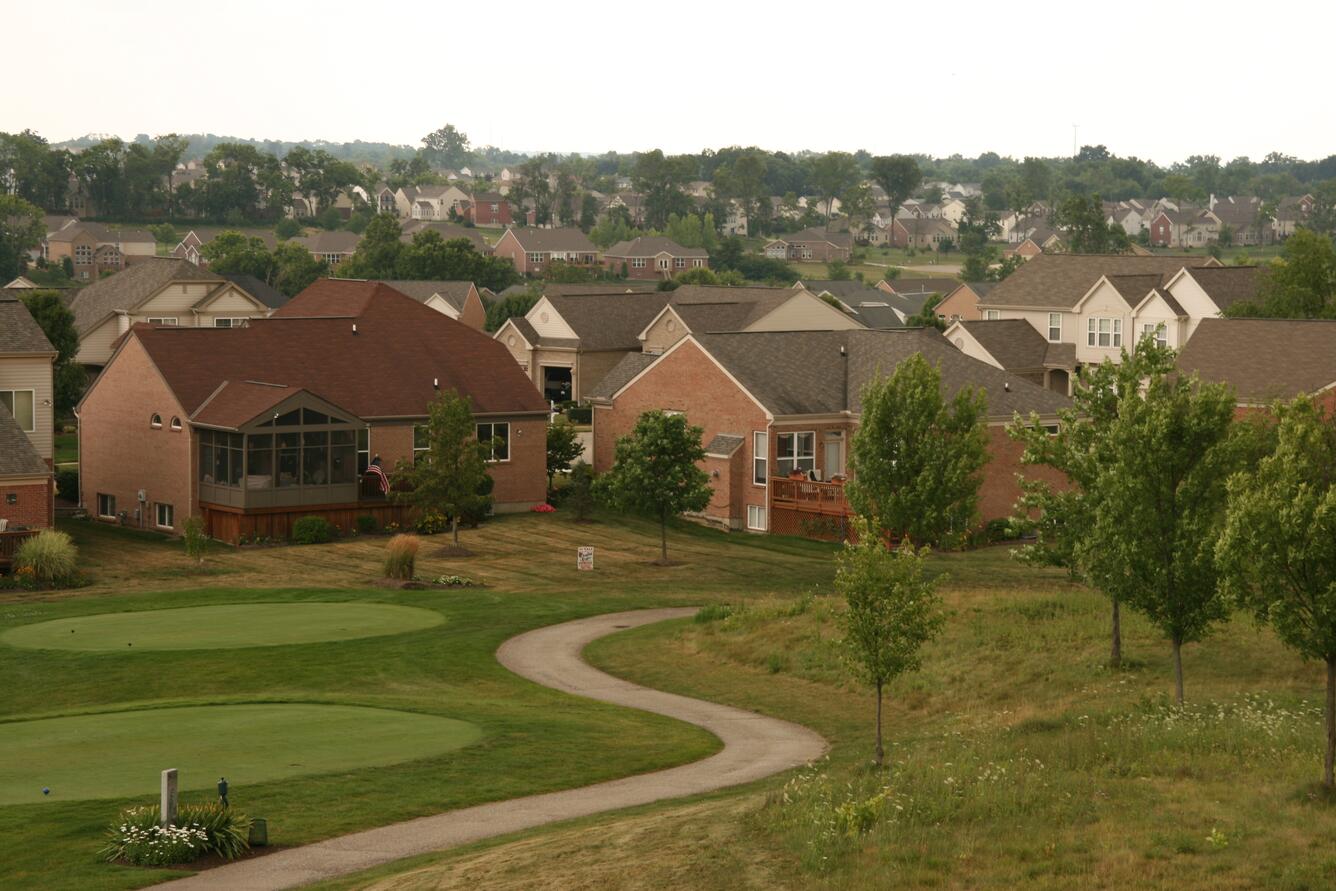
<point>754,747</point>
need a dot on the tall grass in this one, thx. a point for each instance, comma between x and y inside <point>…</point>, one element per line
<point>50,555</point>
<point>401,556</point>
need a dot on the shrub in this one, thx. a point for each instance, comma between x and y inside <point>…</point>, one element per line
<point>201,829</point>
<point>312,530</point>
<point>196,542</point>
<point>580,414</point>
<point>998,529</point>
<point>454,581</point>
<point>50,555</point>
<point>228,831</point>
<point>431,523</point>
<point>67,484</point>
<point>713,613</point>
<point>400,556</point>
<point>579,493</point>
<point>367,524</point>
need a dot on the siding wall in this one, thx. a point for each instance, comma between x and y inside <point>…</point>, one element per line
<point>29,373</point>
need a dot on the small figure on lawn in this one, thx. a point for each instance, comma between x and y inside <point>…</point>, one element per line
<point>222,790</point>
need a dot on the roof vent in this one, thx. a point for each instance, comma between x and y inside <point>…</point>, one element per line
<point>1006,385</point>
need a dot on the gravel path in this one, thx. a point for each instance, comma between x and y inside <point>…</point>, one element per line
<point>754,747</point>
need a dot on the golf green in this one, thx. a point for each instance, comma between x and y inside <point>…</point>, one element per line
<point>221,627</point>
<point>121,754</point>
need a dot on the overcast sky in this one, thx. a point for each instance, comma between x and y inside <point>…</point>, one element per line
<point>1162,81</point>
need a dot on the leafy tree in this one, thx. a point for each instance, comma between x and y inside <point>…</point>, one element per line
<point>661,180</point>
<point>744,181</point>
<point>610,230</point>
<point>833,174</point>
<point>237,253</point>
<point>512,305</point>
<point>898,176</point>
<point>1167,455</point>
<point>21,230</point>
<point>580,492</point>
<point>447,477</point>
<point>838,271</point>
<point>57,322</point>
<point>1277,554</point>
<point>165,233</point>
<point>447,146</point>
<point>295,268</point>
<point>287,228</point>
<point>893,610</point>
<point>1301,286</point>
<point>917,459</point>
<point>655,472</point>
<point>37,173</point>
<point>430,257</point>
<point>377,254</point>
<point>1088,231</point>
<point>588,213</point>
<point>563,449</point>
<point>927,316</point>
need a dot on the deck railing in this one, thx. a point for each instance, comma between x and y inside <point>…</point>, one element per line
<point>10,541</point>
<point>806,495</point>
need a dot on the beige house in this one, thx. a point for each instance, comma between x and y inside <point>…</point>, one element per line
<point>95,249</point>
<point>27,420</point>
<point>164,291</point>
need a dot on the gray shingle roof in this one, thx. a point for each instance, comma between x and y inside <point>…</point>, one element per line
<point>17,455</point>
<point>338,241</point>
<point>609,321</point>
<point>620,375</point>
<point>1060,280</point>
<point>19,332</point>
<point>543,240</point>
<point>1227,285</point>
<point>1018,346</point>
<point>652,246</point>
<point>1264,359</point>
<point>266,294</point>
<point>130,287</point>
<point>453,292</point>
<point>723,445</point>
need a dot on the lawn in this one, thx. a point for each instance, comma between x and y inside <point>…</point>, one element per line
<point>94,720</point>
<point>1018,758</point>
<point>67,448</point>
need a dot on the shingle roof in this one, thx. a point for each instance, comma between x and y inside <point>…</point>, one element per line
<point>19,332</point>
<point>544,240</point>
<point>621,374</point>
<point>1134,288</point>
<point>1060,280</point>
<point>1264,359</point>
<point>816,234</point>
<point>447,231</point>
<point>1227,285</point>
<point>237,402</point>
<point>908,286</point>
<point>455,293</point>
<point>1018,346</point>
<point>103,234</point>
<point>266,294</point>
<point>17,455</point>
<point>879,313</point>
<point>851,291</point>
<point>337,241</point>
<point>723,445</point>
<point>557,288</point>
<point>652,246</point>
<point>609,321</point>
<point>385,368</point>
<point>130,287</point>
<point>765,363</point>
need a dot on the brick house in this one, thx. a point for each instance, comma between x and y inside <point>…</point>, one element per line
<point>778,410</point>
<point>95,249</point>
<point>653,257</point>
<point>488,209</point>
<point>164,291</point>
<point>533,250</point>
<point>251,428</point>
<point>813,245</point>
<point>458,300</point>
<point>922,233</point>
<point>332,247</point>
<point>448,232</point>
<point>27,423</point>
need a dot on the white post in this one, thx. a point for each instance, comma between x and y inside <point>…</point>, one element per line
<point>168,805</point>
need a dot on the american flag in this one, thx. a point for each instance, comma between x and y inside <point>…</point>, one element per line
<point>381,479</point>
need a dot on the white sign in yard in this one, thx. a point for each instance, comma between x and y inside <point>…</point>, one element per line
<point>584,558</point>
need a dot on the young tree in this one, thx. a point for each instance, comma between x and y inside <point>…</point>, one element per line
<point>833,174</point>
<point>1277,555</point>
<point>448,476</point>
<point>893,610</point>
<point>917,459</point>
<point>563,449</point>
<point>1155,523</point>
<point>581,491</point>
<point>21,230</point>
<point>57,323</point>
<point>898,176</point>
<point>655,472</point>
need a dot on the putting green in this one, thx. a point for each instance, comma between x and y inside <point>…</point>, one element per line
<point>121,754</point>
<point>221,627</point>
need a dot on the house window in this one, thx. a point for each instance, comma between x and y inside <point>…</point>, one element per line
<point>22,406</point>
<point>106,506</point>
<point>498,434</point>
<point>795,451</point>
<point>421,442</point>
<point>992,315</point>
<point>697,264</point>
<point>363,450</point>
<point>680,262</point>
<point>1159,331</point>
<point>1054,327</point>
<point>162,320</point>
<point>756,517</point>
<point>760,457</point>
<point>534,258</point>
<point>164,516</point>
<point>637,262</point>
<point>83,254</point>
<point>228,323</point>
<point>1104,332</point>
<point>176,425</point>
<point>155,421</point>
<point>332,259</point>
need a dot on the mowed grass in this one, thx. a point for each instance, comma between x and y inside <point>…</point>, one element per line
<point>201,743</point>
<point>66,448</point>
<point>1017,758</point>
<point>532,739</point>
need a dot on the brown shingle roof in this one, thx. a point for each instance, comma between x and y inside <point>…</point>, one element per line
<point>652,246</point>
<point>19,332</point>
<point>17,455</point>
<point>1134,288</point>
<point>1060,280</point>
<point>384,369</point>
<point>455,293</point>
<point>447,231</point>
<point>609,321</point>
<point>543,240</point>
<point>237,402</point>
<point>1264,359</point>
<point>1227,285</point>
<point>815,234</point>
<point>103,234</point>
<point>130,287</point>
<point>337,241</point>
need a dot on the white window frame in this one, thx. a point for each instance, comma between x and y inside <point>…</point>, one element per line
<point>761,458</point>
<point>176,425</point>
<point>663,263</point>
<point>14,404</point>
<point>1158,330</point>
<point>756,517</point>
<point>155,421</point>
<point>637,262</point>
<point>84,254</point>
<point>232,321</point>
<point>679,262</point>
<point>1104,333</point>
<point>157,516</point>
<point>1055,324</point>
<point>797,458</point>
<point>492,433</point>
<point>417,450</point>
<point>534,257</point>
<point>163,320</point>
<point>992,315</point>
<point>110,501</point>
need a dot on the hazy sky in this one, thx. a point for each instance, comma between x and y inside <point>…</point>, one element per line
<point>1161,81</point>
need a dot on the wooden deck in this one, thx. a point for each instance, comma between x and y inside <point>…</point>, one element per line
<point>826,499</point>
<point>9,544</point>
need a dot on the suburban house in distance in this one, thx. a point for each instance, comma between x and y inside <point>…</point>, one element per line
<point>252,428</point>
<point>164,291</point>
<point>458,300</point>
<point>448,232</point>
<point>1014,345</point>
<point>778,410</point>
<point>962,304</point>
<point>1266,360</point>
<point>95,249</point>
<point>487,209</point>
<point>872,307</point>
<point>653,257</point>
<point>27,421</point>
<point>815,245</point>
<point>569,343</point>
<point>191,247</point>
<point>333,247</point>
<point>533,250</point>
<point>921,233</point>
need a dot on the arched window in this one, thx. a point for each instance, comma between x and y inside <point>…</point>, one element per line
<point>155,421</point>
<point>176,424</point>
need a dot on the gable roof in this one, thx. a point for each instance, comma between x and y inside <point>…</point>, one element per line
<point>266,294</point>
<point>18,457</point>
<point>1264,359</point>
<point>455,293</point>
<point>907,286</point>
<point>850,291</point>
<point>385,368</point>
<point>652,246</point>
<point>631,286</point>
<point>1017,346</point>
<point>814,233</point>
<point>19,332</point>
<point>130,287</point>
<point>447,231</point>
<point>103,234</point>
<point>1134,288</point>
<point>1227,285</point>
<point>540,241</point>
<point>609,321</point>
<point>336,241</point>
<point>1059,281</point>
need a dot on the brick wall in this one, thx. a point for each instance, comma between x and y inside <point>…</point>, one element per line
<point>32,505</point>
<point>999,490</point>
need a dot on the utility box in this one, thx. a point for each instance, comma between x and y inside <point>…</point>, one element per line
<point>259,833</point>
